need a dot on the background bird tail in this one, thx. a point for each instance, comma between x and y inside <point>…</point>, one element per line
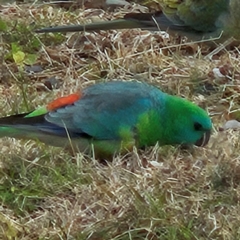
<point>105,25</point>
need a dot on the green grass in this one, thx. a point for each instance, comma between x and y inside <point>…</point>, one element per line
<point>25,184</point>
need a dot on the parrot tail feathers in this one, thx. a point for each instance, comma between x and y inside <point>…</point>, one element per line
<point>19,125</point>
<point>34,133</point>
<point>14,131</point>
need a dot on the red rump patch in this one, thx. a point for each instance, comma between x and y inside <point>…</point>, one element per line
<point>63,101</point>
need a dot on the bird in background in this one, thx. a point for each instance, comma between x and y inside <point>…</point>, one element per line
<point>113,117</point>
<point>195,19</point>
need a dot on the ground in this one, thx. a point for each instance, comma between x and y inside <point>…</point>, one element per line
<point>158,193</point>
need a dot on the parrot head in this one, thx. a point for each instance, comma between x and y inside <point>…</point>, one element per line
<point>190,123</point>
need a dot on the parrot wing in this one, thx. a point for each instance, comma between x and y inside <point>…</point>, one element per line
<point>105,110</point>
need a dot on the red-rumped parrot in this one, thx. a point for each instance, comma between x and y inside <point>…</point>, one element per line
<point>196,19</point>
<point>113,117</point>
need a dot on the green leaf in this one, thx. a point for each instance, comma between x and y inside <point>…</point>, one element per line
<point>19,57</point>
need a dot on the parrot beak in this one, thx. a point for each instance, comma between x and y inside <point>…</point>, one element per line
<point>203,140</point>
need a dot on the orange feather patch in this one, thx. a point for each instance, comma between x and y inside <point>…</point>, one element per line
<point>63,101</point>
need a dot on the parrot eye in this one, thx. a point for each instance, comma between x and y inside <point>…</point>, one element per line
<point>197,126</point>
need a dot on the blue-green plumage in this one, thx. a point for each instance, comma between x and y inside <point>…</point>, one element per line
<point>115,116</point>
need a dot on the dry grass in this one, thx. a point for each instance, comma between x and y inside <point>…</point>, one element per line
<point>165,193</point>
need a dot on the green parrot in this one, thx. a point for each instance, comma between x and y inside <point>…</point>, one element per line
<point>113,117</point>
<point>195,19</point>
